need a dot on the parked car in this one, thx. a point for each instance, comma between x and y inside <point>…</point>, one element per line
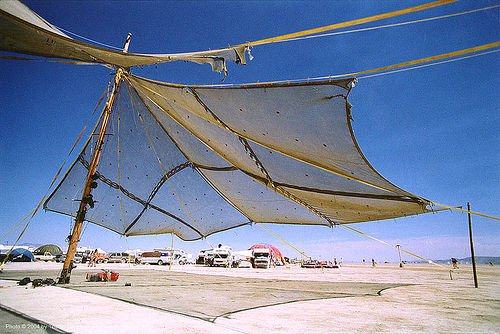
<point>118,258</point>
<point>318,264</point>
<point>44,257</point>
<point>244,264</point>
<point>155,258</point>
<point>177,256</point>
<point>62,258</point>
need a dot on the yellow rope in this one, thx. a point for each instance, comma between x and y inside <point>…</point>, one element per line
<point>281,239</point>
<point>366,235</point>
<point>389,25</point>
<point>32,214</point>
<point>362,233</point>
<point>465,211</point>
<point>418,61</point>
<point>424,60</point>
<point>427,65</point>
<point>18,224</point>
<point>388,244</point>
<point>349,23</point>
<point>22,232</point>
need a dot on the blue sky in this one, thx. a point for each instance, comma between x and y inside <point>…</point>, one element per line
<point>432,131</point>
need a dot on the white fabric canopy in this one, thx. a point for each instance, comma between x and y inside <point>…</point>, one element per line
<point>268,153</point>
<point>23,31</point>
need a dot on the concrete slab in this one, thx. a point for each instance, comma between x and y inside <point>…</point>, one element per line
<point>79,312</point>
<point>186,299</point>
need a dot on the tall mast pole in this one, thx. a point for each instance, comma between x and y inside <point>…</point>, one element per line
<point>90,183</point>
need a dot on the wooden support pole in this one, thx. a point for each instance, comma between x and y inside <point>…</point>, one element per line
<point>473,258</point>
<point>90,181</point>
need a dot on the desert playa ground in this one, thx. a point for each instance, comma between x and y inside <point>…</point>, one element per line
<point>193,299</point>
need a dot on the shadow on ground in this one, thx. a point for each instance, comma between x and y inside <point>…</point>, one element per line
<point>209,297</point>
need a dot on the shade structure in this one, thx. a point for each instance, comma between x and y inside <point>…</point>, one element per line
<point>23,31</point>
<point>195,160</point>
<point>52,249</point>
<point>21,255</point>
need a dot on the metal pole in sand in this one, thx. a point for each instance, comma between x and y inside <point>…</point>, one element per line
<point>171,252</point>
<point>472,248</point>
<point>91,177</point>
<point>399,251</point>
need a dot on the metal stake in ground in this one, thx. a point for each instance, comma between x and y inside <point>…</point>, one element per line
<point>399,252</point>
<point>472,248</point>
<point>90,183</point>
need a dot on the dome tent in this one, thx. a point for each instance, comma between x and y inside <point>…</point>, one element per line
<point>52,249</point>
<point>21,255</point>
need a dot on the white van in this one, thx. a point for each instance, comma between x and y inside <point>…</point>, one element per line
<point>179,256</point>
<point>155,258</point>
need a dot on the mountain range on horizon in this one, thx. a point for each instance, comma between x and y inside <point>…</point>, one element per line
<point>479,260</point>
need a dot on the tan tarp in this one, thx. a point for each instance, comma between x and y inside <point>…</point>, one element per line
<point>23,31</point>
<point>270,153</point>
<point>195,160</point>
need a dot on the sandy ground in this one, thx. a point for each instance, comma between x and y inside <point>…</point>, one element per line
<point>419,298</point>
